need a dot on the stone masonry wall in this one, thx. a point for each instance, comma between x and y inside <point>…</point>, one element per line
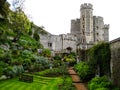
<point>115,61</point>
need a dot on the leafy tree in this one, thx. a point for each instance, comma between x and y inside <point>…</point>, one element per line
<point>19,21</point>
<point>4,8</point>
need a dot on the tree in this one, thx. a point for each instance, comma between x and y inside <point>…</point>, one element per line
<point>4,8</point>
<point>20,23</point>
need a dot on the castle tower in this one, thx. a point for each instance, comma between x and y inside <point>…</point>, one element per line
<point>86,23</point>
<point>106,32</point>
<point>75,26</point>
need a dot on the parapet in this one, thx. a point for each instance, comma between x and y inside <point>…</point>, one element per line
<point>98,17</point>
<point>106,26</point>
<point>86,6</point>
<point>75,21</point>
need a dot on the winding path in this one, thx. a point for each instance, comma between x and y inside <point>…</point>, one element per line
<point>76,80</point>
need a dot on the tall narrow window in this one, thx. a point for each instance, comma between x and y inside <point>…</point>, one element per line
<point>83,26</point>
<point>83,19</point>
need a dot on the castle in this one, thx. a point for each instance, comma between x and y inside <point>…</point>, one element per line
<point>85,32</point>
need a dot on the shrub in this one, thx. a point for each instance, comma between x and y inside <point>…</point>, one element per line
<point>84,71</point>
<point>56,63</point>
<point>9,72</point>
<point>1,70</point>
<point>26,64</point>
<point>18,69</point>
<point>57,57</point>
<point>42,60</point>
<point>100,83</point>
<point>102,89</point>
<point>70,59</point>
<point>66,84</point>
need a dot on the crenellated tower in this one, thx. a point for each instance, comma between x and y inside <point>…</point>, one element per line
<point>106,32</point>
<point>86,23</point>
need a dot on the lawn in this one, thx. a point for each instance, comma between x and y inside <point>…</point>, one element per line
<point>39,83</point>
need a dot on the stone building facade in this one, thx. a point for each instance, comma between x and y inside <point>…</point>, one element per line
<point>59,43</point>
<point>85,31</point>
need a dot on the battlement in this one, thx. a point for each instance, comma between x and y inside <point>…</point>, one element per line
<point>98,17</point>
<point>106,26</point>
<point>86,6</point>
<point>75,21</point>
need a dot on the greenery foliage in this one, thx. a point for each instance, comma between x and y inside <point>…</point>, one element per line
<point>99,56</point>
<point>39,83</point>
<point>70,58</point>
<point>66,84</point>
<point>18,48</point>
<point>46,53</point>
<point>84,71</point>
<point>100,83</point>
<point>4,8</point>
<point>58,71</point>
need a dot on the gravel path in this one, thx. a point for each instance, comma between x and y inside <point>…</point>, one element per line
<point>76,80</point>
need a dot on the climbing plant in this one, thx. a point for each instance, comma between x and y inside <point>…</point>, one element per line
<point>99,56</point>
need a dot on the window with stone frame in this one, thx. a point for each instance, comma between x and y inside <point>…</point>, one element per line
<point>49,44</point>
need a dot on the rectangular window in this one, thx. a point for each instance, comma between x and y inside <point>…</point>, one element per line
<point>49,44</point>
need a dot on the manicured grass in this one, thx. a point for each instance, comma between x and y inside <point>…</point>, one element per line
<point>39,83</point>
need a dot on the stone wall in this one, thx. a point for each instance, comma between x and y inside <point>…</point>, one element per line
<point>115,61</point>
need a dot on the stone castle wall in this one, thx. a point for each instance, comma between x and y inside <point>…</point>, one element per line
<point>115,61</point>
<point>58,43</point>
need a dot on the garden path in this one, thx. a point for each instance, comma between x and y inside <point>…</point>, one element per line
<point>76,80</point>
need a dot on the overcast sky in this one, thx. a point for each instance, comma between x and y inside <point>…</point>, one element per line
<point>55,15</point>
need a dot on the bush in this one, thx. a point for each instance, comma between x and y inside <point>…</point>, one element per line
<point>100,83</point>
<point>54,72</point>
<point>1,71</point>
<point>84,71</point>
<point>102,89</point>
<point>57,57</point>
<point>56,63</point>
<point>18,69</point>
<point>70,59</point>
<point>66,84</point>
<point>42,60</point>
<point>9,72</point>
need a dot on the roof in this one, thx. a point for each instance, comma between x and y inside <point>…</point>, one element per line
<point>115,40</point>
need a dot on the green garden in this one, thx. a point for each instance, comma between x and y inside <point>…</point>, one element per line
<point>39,83</point>
<point>21,53</point>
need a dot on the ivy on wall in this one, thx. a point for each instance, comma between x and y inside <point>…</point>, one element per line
<point>99,57</point>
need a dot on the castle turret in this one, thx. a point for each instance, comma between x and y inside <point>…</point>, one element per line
<point>86,24</point>
<point>75,26</point>
<point>106,32</point>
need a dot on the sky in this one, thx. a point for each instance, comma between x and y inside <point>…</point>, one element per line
<point>56,15</point>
